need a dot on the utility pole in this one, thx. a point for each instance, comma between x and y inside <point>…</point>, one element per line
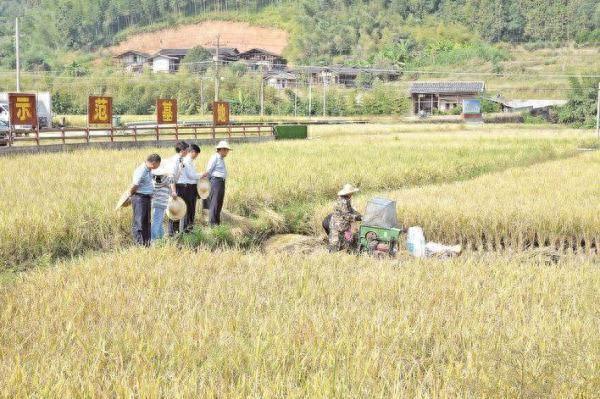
<point>295,99</point>
<point>17,55</point>
<point>324,97</point>
<point>598,114</point>
<point>217,78</point>
<point>309,95</point>
<point>262,92</point>
<point>202,95</point>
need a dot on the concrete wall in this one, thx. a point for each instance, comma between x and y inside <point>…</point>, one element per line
<point>124,145</point>
<point>161,64</point>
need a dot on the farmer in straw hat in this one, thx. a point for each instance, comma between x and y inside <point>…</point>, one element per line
<point>141,196</point>
<point>343,215</point>
<point>217,173</point>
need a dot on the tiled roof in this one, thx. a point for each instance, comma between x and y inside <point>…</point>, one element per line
<point>140,53</point>
<point>173,52</point>
<point>446,87</point>
<point>258,50</point>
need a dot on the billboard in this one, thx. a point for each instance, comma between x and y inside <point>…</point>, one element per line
<point>166,111</point>
<point>220,113</point>
<point>23,109</point>
<point>100,111</point>
<point>472,108</point>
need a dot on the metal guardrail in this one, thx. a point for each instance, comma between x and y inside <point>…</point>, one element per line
<point>40,137</point>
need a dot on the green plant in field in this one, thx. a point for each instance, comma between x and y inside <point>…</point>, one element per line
<point>581,108</point>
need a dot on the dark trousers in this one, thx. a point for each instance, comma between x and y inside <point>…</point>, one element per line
<point>190,197</point>
<point>217,195</point>
<point>141,205</point>
<point>174,226</point>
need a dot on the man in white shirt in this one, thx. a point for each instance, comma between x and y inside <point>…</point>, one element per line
<point>217,173</point>
<point>189,180</point>
<point>176,167</point>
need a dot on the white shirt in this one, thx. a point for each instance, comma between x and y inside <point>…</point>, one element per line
<point>189,175</point>
<point>173,165</point>
<point>216,167</point>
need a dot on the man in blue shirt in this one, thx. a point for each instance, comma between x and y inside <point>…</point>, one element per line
<point>141,199</point>
<point>217,173</point>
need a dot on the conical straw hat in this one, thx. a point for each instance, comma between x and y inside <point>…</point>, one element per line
<point>203,188</point>
<point>223,144</point>
<point>348,189</point>
<point>176,208</point>
<point>124,200</point>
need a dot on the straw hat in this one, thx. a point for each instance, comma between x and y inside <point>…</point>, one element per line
<point>348,189</point>
<point>223,144</point>
<point>124,200</point>
<point>176,208</point>
<point>203,189</point>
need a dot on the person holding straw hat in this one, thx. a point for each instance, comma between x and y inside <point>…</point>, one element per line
<point>160,199</point>
<point>176,166</point>
<point>217,173</point>
<point>189,179</point>
<point>141,196</point>
<point>340,235</point>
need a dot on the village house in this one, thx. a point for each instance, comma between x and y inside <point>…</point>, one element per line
<point>280,79</point>
<point>258,58</point>
<point>226,54</point>
<point>537,106</point>
<point>348,76</point>
<point>132,60</point>
<point>167,60</point>
<point>443,96</point>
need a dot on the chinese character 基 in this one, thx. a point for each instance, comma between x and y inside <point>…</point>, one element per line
<point>101,109</point>
<point>167,111</point>
<point>23,108</point>
<point>221,113</point>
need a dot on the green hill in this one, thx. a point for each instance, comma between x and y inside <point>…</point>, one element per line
<point>350,32</point>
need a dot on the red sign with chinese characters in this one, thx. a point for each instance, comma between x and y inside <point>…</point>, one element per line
<point>100,111</point>
<point>220,113</point>
<point>166,112</point>
<point>23,109</point>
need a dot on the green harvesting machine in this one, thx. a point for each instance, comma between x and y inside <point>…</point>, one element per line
<point>379,232</point>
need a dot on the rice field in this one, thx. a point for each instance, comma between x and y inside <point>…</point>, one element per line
<point>60,205</point>
<point>85,314</point>
<point>170,323</point>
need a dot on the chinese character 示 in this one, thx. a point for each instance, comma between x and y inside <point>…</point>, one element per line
<point>167,113</point>
<point>101,109</point>
<point>221,113</point>
<point>23,108</point>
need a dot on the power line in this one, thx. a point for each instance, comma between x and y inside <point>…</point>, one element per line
<point>334,68</point>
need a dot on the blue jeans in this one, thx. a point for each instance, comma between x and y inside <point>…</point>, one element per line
<point>157,229</point>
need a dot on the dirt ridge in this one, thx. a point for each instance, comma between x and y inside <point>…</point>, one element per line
<point>240,35</point>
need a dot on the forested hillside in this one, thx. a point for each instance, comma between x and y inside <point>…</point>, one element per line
<point>362,31</point>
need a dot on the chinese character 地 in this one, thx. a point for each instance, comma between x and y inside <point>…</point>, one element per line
<point>221,113</point>
<point>23,108</point>
<point>101,109</point>
<point>167,111</point>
